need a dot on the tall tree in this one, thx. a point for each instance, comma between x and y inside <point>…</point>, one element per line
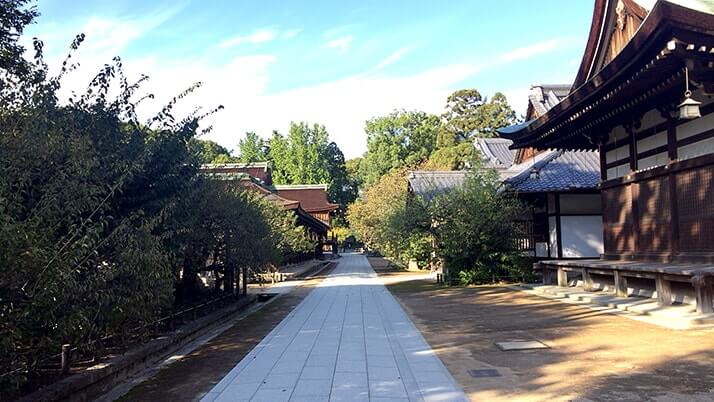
<point>305,156</point>
<point>402,138</point>
<point>469,115</point>
<point>253,148</point>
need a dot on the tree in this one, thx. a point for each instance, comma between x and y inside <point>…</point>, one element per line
<point>14,17</point>
<point>306,156</point>
<point>462,156</point>
<point>469,115</point>
<point>103,217</point>
<point>211,152</point>
<point>473,231</point>
<point>402,138</point>
<point>253,148</point>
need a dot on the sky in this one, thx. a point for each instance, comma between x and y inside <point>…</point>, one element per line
<point>336,63</point>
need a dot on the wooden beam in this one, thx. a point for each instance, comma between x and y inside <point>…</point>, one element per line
<point>664,291</point>
<point>587,280</point>
<point>703,291</point>
<point>562,278</point>
<point>620,285</point>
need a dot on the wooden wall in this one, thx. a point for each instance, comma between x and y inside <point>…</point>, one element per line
<point>658,189</point>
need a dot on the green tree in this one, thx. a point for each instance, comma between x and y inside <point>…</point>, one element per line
<point>211,152</point>
<point>253,148</point>
<point>469,115</point>
<point>101,215</point>
<point>14,17</point>
<point>473,231</point>
<point>402,138</point>
<point>305,156</point>
<point>461,156</point>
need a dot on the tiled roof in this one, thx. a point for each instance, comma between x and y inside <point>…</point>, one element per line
<point>429,184</point>
<point>560,171</point>
<point>544,97</point>
<point>312,197</point>
<point>496,152</point>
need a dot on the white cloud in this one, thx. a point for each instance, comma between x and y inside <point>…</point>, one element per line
<point>394,57</point>
<point>259,36</point>
<point>342,43</point>
<point>289,34</point>
<point>529,51</point>
<point>242,85</point>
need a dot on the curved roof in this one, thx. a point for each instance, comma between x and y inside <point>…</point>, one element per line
<point>560,171</point>
<point>496,152</point>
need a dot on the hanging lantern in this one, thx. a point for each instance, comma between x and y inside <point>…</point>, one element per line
<point>689,108</point>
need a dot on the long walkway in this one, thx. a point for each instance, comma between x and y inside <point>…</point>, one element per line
<point>349,340</point>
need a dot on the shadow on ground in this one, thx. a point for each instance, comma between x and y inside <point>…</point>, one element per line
<point>196,373</point>
<point>592,356</point>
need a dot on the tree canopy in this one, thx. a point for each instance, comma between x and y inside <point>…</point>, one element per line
<point>252,148</point>
<point>402,138</point>
<point>211,152</point>
<point>105,220</point>
<point>468,115</point>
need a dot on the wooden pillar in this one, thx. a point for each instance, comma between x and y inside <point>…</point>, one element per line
<point>558,231</point>
<point>664,290</point>
<point>603,163</point>
<point>587,280</point>
<point>703,290</point>
<point>620,285</point>
<point>562,278</point>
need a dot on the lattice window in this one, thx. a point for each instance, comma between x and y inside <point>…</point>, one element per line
<point>695,200</point>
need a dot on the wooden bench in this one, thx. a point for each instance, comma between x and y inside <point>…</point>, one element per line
<point>700,276</point>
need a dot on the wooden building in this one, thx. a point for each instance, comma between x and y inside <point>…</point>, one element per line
<point>656,154</point>
<point>307,208</point>
<point>560,188</point>
<point>312,198</point>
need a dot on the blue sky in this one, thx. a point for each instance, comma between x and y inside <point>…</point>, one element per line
<point>336,63</point>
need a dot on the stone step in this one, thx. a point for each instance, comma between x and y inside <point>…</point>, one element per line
<point>678,316</point>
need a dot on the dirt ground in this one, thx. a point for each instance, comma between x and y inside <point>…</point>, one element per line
<point>194,375</point>
<point>592,355</point>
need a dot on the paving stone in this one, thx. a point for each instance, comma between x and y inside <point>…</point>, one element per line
<point>349,340</point>
<point>313,388</point>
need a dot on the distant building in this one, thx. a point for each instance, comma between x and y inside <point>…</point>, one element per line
<point>312,198</point>
<point>308,202</point>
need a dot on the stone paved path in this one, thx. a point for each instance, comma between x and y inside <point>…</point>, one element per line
<point>349,340</point>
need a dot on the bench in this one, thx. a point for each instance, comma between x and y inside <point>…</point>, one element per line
<point>700,276</point>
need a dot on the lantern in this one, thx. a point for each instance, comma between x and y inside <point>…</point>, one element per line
<point>689,108</point>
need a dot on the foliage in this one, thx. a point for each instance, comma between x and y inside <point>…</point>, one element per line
<point>402,138</point>
<point>473,227</point>
<point>102,216</point>
<point>305,156</point>
<point>371,215</point>
<point>469,115</point>
<point>289,238</point>
<point>253,148</point>
<point>458,157</point>
<point>211,152</point>
<point>14,17</point>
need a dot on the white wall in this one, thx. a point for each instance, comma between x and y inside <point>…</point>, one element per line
<point>581,236</point>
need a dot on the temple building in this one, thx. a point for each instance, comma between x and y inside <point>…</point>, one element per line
<point>559,188</point>
<point>308,202</point>
<point>643,99</point>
